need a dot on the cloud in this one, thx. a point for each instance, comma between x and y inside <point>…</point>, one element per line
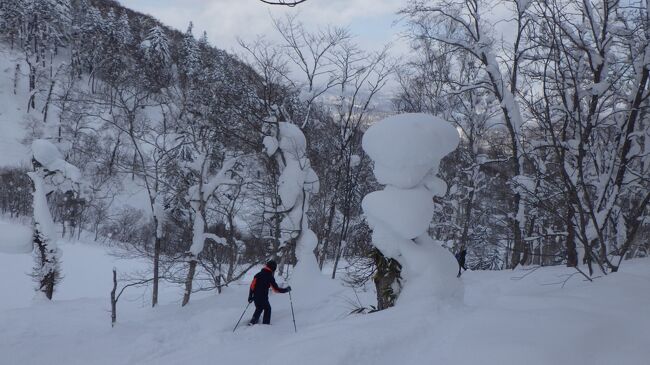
<point>226,20</point>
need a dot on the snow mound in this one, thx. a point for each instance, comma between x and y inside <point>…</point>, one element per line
<point>407,150</point>
<point>270,145</point>
<point>292,140</point>
<point>406,147</point>
<point>48,155</point>
<point>291,183</point>
<point>407,212</point>
<point>306,274</point>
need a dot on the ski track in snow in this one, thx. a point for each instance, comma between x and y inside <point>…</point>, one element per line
<point>503,321</point>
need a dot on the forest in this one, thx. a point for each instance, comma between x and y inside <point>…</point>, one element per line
<point>208,163</point>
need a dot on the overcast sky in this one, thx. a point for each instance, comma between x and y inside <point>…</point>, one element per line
<point>225,20</point>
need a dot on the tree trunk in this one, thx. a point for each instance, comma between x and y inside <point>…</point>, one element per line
<point>571,252</point>
<point>46,107</point>
<point>188,281</point>
<point>337,258</point>
<point>387,279</point>
<point>527,256</point>
<point>232,242</point>
<point>339,247</point>
<point>518,245</point>
<point>16,75</point>
<point>326,237</point>
<point>156,266</point>
<point>114,300</point>
<point>47,258</point>
<point>468,216</point>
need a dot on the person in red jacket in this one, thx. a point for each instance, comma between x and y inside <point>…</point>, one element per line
<point>259,292</point>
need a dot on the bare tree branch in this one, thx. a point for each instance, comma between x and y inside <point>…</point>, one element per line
<point>283,2</point>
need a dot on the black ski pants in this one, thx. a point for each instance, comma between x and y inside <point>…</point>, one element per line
<point>262,306</point>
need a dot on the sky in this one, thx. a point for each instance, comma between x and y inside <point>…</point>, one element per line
<point>372,21</point>
<point>375,23</point>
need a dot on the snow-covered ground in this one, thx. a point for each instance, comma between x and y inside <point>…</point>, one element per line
<point>505,319</point>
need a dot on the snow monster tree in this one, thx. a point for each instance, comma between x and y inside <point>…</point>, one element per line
<point>406,150</point>
<point>51,172</point>
<point>297,182</point>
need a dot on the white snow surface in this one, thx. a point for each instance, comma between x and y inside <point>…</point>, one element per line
<point>48,155</point>
<point>407,212</point>
<point>292,140</point>
<point>406,147</point>
<point>355,160</point>
<point>15,238</point>
<point>504,318</point>
<point>42,214</point>
<point>291,183</point>
<point>270,145</point>
<point>306,274</point>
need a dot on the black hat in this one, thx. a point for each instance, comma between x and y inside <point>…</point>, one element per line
<point>272,265</point>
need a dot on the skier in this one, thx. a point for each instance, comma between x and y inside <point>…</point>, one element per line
<point>460,257</point>
<point>259,292</point>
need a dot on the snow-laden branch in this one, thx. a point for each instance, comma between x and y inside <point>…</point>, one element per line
<point>200,195</point>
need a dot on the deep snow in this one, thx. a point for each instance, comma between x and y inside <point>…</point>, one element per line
<point>505,319</point>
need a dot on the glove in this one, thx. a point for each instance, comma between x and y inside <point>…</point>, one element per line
<point>250,300</point>
<point>288,289</point>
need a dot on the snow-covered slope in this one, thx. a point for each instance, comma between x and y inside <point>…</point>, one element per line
<point>15,238</point>
<point>533,320</point>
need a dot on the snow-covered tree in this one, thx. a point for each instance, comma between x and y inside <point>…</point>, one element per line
<point>157,55</point>
<point>468,31</point>
<point>51,172</point>
<point>595,95</point>
<point>12,18</point>
<point>436,81</point>
<point>407,150</point>
<point>286,144</point>
<point>189,63</point>
<point>200,197</point>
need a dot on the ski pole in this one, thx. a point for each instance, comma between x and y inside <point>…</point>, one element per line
<point>292,315</point>
<point>242,316</point>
